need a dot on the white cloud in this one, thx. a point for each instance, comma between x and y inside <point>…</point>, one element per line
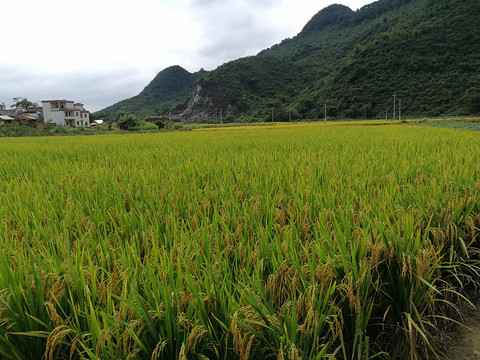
<point>101,51</point>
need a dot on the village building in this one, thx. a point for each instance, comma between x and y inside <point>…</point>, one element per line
<point>27,119</point>
<point>36,111</point>
<point>5,119</point>
<point>65,113</point>
<point>6,112</point>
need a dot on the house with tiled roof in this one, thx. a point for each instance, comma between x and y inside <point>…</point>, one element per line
<point>27,119</point>
<point>65,113</point>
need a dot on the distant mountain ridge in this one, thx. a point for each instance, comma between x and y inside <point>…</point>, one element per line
<point>351,63</point>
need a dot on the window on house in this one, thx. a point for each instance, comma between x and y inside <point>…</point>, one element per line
<point>78,123</point>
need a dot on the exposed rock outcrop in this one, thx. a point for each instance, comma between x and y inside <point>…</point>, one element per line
<point>208,103</point>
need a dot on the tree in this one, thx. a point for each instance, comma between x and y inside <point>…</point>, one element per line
<point>471,99</point>
<point>22,103</point>
<point>160,124</point>
<point>128,121</point>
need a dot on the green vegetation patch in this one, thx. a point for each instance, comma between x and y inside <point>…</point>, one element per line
<point>473,126</point>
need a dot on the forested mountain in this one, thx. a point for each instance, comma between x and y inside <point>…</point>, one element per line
<point>426,52</point>
<point>168,89</point>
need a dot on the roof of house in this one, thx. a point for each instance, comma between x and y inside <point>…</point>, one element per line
<point>28,117</point>
<point>85,112</point>
<point>68,109</point>
<point>47,101</point>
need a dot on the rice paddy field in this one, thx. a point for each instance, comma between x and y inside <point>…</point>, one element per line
<point>307,241</point>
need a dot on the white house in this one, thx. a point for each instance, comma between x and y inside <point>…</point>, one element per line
<point>65,113</point>
<point>96,122</point>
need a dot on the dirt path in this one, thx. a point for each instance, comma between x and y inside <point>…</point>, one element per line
<point>468,346</point>
<point>465,344</point>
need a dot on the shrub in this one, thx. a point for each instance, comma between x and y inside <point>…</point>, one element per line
<point>143,126</point>
<point>128,121</point>
<point>12,130</point>
<point>63,130</point>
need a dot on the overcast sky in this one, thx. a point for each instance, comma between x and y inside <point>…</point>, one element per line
<point>98,52</point>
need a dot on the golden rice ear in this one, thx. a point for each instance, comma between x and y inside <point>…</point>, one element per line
<point>57,290</point>
<point>243,339</point>
<point>196,335</point>
<point>104,338</point>
<point>52,314</point>
<point>182,355</point>
<point>471,229</point>
<point>55,337</point>
<point>75,342</point>
<point>126,341</point>
<point>280,355</point>
<point>157,352</point>
<point>293,353</point>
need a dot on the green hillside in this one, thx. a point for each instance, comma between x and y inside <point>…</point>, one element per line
<point>426,52</point>
<point>168,89</point>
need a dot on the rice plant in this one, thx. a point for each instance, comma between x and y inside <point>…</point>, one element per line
<point>305,241</point>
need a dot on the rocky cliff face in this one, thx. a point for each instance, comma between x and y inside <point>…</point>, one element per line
<point>208,103</point>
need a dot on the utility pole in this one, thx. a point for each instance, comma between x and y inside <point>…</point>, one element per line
<point>325,112</point>
<point>221,115</point>
<point>394,103</point>
<point>400,109</point>
<point>273,115</point>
